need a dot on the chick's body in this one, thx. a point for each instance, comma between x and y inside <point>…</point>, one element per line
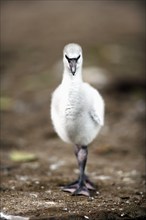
<point>73,115</point>
<point>77,113</point>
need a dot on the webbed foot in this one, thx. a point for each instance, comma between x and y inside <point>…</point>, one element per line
<point>79,189</point>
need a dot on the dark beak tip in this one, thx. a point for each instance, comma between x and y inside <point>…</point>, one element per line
<point>73,72</point>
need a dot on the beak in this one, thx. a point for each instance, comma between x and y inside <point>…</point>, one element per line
<point>73,64</point>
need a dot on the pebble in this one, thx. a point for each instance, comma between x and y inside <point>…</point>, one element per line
<point>120,172</point>
<point>118,187</point>
<point>91,198</point>
<point>51,203</point>
<point>23,178</point>
<point>86,217</point>
<point>13,187</point>
<point>102,177</point>
<point>128,179</point>
<point>122,214</point>
<point>65,209</point>
<point>57,165</point>
<point>139,193</point>
<point>34,195</point>
<point>37,182</point>
<point>48,191</point>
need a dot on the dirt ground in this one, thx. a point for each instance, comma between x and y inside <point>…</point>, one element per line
<point>33,35</point>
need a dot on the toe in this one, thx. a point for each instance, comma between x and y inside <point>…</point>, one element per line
<point>89,184</point>
<point>68,189</point>
<point>81,191</point>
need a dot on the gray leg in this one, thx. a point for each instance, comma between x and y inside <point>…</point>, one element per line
<point>83,184</point>
<point>82,154</point>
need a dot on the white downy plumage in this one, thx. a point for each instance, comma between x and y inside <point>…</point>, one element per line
<point>77,109</point>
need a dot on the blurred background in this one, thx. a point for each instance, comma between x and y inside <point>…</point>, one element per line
<point>112,35</point>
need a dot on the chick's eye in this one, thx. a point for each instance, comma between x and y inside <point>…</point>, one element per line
<point>67,58</point>
<point>78,57</point>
